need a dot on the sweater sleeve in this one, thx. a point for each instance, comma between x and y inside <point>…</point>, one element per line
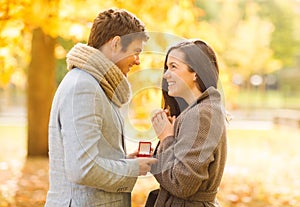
<point>184,161</point>
<point>82,123</point>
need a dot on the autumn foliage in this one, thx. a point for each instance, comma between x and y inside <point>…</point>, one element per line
<point>249,37</point>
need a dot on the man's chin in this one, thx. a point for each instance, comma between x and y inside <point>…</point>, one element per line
<point>126,73</point>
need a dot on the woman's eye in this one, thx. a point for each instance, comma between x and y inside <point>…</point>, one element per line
<point>171,67</point>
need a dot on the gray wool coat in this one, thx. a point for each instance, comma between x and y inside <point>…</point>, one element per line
<point>87,159</point>
<point>191,163</point>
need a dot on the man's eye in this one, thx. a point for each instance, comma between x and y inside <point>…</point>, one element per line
<point>137,52</point>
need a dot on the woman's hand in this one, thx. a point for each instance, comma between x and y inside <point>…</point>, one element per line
<point>163,124</point>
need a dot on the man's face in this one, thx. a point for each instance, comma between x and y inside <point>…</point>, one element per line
<point>125,60</point>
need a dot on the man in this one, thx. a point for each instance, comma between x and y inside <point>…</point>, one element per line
<point>88,164</point>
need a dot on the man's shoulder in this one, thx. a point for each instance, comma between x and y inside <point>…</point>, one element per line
<point>81,75</point>
<point>79,80</point>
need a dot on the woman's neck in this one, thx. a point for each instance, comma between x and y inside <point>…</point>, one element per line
<point>192,96</point>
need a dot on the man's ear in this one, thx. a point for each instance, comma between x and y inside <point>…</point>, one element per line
<point>115,43</point>
<point>195,76</point>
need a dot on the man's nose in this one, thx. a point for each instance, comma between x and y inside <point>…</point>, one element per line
<point>137,60</point>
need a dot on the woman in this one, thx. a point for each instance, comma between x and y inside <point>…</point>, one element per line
<point>193,147</point>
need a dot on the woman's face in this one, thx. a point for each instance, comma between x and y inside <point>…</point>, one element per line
<point>180,80</point>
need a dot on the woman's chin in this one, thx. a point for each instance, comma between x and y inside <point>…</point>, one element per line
<point>170,93</point>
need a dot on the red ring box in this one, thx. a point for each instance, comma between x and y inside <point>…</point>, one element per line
<point>144,149</point>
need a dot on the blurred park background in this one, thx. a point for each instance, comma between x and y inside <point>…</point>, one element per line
<point>258,47</point>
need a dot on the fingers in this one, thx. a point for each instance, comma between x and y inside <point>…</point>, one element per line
<point>163,124</point>
<point>152,161</point>
<point>152,151</point>
<point>167,112</point>
<point>145,165</point>
<point>164,116</point>
<point>172,119</point>
<point>159,116</point>
<point>132,155</point>
<point>156,115</point>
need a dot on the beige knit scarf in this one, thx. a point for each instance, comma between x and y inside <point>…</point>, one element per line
<point>109,76</point>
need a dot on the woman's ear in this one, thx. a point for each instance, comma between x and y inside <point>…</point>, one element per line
<point>115,43</point>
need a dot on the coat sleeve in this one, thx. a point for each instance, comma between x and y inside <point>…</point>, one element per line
<point>82,120</point>
<point>184,160</point>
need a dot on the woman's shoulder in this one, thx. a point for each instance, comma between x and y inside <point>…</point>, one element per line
<point>206,109</point>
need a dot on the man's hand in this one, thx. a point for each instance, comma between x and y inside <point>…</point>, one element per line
<point>145,164</point>
<point>132,155</point>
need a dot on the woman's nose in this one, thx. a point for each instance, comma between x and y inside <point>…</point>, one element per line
<point>166,74</point>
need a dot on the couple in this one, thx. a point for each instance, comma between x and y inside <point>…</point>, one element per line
<point>88,161</point>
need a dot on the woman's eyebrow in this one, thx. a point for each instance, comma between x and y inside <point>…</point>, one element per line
<point>172,63</point>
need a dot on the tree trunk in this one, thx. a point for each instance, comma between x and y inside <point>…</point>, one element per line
<point>41,86</point>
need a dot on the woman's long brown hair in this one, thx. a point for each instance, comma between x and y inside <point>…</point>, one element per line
<point>201,59</point>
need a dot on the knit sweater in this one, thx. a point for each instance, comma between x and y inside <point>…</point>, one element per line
<point>191,163</point>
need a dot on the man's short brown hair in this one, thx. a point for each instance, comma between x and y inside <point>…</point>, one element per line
<point>116,22</point>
